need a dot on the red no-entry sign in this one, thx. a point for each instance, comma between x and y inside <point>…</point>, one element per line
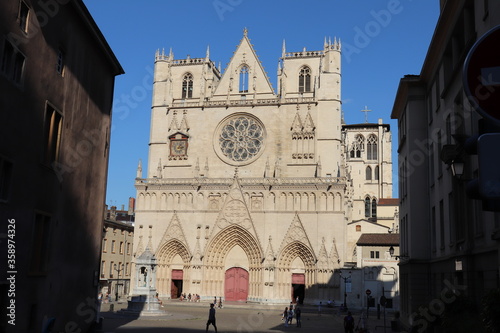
<point>481,75</point>
<point>368,292</point>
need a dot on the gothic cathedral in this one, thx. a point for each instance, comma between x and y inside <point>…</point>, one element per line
<point>250,191</point>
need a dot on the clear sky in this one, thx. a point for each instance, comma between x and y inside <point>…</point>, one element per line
<point>382,40</point>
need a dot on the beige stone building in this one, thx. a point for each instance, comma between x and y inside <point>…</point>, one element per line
<point>249,190</point>
<point>116,257</point>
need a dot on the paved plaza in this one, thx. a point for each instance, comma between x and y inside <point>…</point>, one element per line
<point>186,317</point>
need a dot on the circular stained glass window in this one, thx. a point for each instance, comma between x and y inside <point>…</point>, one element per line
<point>241,138</point>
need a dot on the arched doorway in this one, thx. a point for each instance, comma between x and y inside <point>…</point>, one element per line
<point>236,284</point>
<point>298,288</point>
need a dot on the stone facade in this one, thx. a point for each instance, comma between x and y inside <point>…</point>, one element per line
<point>116,257</point>
<point>248,191</point>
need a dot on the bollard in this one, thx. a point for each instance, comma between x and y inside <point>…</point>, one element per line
<point>111,307</point>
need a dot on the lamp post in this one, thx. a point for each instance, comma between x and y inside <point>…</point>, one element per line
<point>345,278</point>
<point>118,269</point>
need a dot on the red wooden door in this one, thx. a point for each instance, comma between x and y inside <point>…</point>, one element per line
<point>236,284</point>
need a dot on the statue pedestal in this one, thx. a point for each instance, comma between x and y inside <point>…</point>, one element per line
<point>144,305</point>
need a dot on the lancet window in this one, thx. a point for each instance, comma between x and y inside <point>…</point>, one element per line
<point>187,86</point>
<point>305,79</point>
<point>357,146</point>
<point>371,147</point>
<point>244,79</point>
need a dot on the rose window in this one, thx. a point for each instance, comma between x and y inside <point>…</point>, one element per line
<point>241,138</point>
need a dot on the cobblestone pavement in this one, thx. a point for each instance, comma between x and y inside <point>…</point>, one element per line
<point>185,317</point>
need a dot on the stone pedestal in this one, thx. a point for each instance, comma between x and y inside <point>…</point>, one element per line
<point>144,305</point>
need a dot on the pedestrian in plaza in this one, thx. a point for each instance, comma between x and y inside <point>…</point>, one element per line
<point>284,316</point>
<point>298,312</point>
<point>220,302</point>
<point>211,317</point>
<point>319,308</point>
<point>290,315</point>
<point>349,323</point>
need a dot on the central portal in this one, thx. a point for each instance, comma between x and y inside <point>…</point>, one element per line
<point>236,284</point>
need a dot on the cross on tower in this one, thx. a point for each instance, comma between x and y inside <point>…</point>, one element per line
<point>366,113</point>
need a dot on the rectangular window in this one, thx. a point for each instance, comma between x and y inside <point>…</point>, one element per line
<point>441,224</point>
<point>5,179</point>
<point>24,11</point>
<point>40,244</point>
<point>128,248</point>
<point>126,269</point>
<point>113,246</point>
<point>111,264</point>
<point>60,62</point>
<point>121,247</point>
<point>431,164</point>
<point>374,254</point>
<point>53,128</point>
<point>439,148</point>
<point>433,229</point>
<point>12,63</point>
<point>104,245</point>
<point>103,268</point>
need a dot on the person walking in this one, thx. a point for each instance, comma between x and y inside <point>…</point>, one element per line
<point>285,316</point>
<point>290,315</point>
<point>298,312</point>
<point>349,323</point>
<point>211,317</point>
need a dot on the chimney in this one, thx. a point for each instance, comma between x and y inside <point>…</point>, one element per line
<point>131,206</point>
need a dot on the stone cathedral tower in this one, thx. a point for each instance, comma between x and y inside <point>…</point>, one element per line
<point>246,195</point>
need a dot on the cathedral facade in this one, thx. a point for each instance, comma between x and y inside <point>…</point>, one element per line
<point>249,191</point>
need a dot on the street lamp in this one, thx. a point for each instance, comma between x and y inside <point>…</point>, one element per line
<point>345,278</point>
<point>391,252</point>
<point>118,269</point>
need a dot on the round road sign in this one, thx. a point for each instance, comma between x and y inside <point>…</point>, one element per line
<point>481,75</point>
<point>368,292</point>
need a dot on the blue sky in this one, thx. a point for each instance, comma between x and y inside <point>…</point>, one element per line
<point>382,40</point>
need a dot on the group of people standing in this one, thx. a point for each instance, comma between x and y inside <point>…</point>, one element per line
<point>289,313</point>
<point>190,298</point>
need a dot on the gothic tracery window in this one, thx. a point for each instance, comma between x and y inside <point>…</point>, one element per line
<point>243,79</point>
<point>371,147</point>
<point>187,86</point>
<point>370,207</point>
<point>357,146</point>
<point>305,79</point>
